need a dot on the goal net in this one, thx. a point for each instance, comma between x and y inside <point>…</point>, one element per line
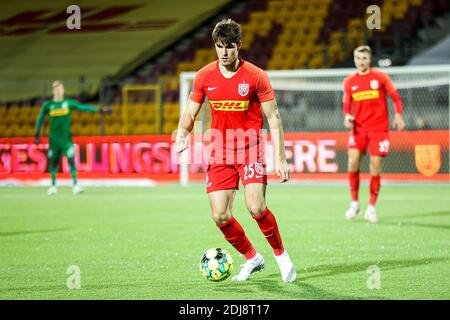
<point>310,103</point>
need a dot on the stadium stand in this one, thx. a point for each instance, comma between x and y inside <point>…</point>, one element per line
<point>304,34</point>
<point>36,48</point>
<point>277,34</point>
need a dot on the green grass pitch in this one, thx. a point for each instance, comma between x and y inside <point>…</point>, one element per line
<point>145,243</point>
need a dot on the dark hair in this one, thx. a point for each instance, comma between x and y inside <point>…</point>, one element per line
<point>227,31</point>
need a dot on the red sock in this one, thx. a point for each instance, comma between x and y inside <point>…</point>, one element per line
<point>374,189</point>
<point>235,235</point>
<point>268,225</point>
<point>354,184</point>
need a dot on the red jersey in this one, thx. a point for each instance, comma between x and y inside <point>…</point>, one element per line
<point>235,102</point>
<point>365,98</point>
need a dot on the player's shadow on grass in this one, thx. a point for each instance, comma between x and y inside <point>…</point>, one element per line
<point>422,215</point>
<point>271,283</point>
<point>303,290</point>
<point>399,221</point>
<point>18,233</point>
<point>326,270</point>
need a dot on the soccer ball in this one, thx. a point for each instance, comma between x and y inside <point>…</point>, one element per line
<point>216,264</point>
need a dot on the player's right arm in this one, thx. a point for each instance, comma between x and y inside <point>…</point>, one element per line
<point>39,121</point>
<point>186,125</point>
<point>346,104</point>
<point>189,115</point>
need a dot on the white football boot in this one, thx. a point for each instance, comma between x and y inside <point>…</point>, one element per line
<point>371,214</point>
<point>287,269</point>
<point>252,265</point>
<point>353,211</point>
<point>77,189</point>
<point>52,190</point>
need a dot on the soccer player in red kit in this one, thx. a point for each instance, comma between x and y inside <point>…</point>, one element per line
<point>366,114</point>
<point>239,93</point>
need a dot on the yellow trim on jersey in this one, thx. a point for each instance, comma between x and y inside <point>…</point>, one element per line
<point>59,112</point>
<point>229,105</point>
<point>366,95</point>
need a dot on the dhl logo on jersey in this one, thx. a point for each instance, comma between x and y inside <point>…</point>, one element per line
<point>59,112</point>
<point>229,105</point>
<point>366,95</point>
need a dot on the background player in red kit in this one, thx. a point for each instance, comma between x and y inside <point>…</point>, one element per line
<point>366,113</point>
<point>239,93</point>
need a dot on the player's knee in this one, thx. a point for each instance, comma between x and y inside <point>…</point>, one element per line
<point>53,163</point>
<point>353,165</point>
<point>220,216</point>
<point>257,208</point>
<point>375,169</point>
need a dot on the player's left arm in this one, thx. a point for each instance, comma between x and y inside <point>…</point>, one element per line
<point>398,122</point>
<point>271,112</point>
<point>269,107</point>
<point>42,113</point>
<point>88,107</point>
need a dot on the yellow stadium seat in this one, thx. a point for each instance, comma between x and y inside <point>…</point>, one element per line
<point>113,129</point>
<point>8,132</point>
<point>357,24</point>
<point>76,129</point>
<point>258,17</point>
<point>316,62</point>
<point>3,129</point>
<point>274,6</point>
<point>416,2</point>
<point>170,127</point>
<point>91,130</point>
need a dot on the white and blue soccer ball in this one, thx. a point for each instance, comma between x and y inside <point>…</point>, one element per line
<point>216,264</point>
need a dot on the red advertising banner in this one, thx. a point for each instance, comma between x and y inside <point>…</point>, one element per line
<point>413,155</point>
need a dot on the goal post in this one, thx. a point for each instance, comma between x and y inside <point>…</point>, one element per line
<point>310,103</point>
<point>148,94</point>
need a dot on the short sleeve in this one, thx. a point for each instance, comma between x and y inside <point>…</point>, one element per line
<point>198,94</point>
<point>264,88</point>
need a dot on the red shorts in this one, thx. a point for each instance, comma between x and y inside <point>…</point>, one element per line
<point>223,176</point>
<point>378,142</point>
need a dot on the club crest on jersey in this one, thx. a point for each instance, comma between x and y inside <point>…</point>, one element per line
<point>65,105</point>
<point>243,89</point>
<point>374,84</point>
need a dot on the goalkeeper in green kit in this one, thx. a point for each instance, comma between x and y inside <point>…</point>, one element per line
<point>60,140</point>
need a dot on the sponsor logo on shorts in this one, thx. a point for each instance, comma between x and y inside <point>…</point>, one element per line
<point>229,105</point>
<point>259,170</point>
<point>71,152</point>
<point>208,183</point>
<point>351,141</point>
